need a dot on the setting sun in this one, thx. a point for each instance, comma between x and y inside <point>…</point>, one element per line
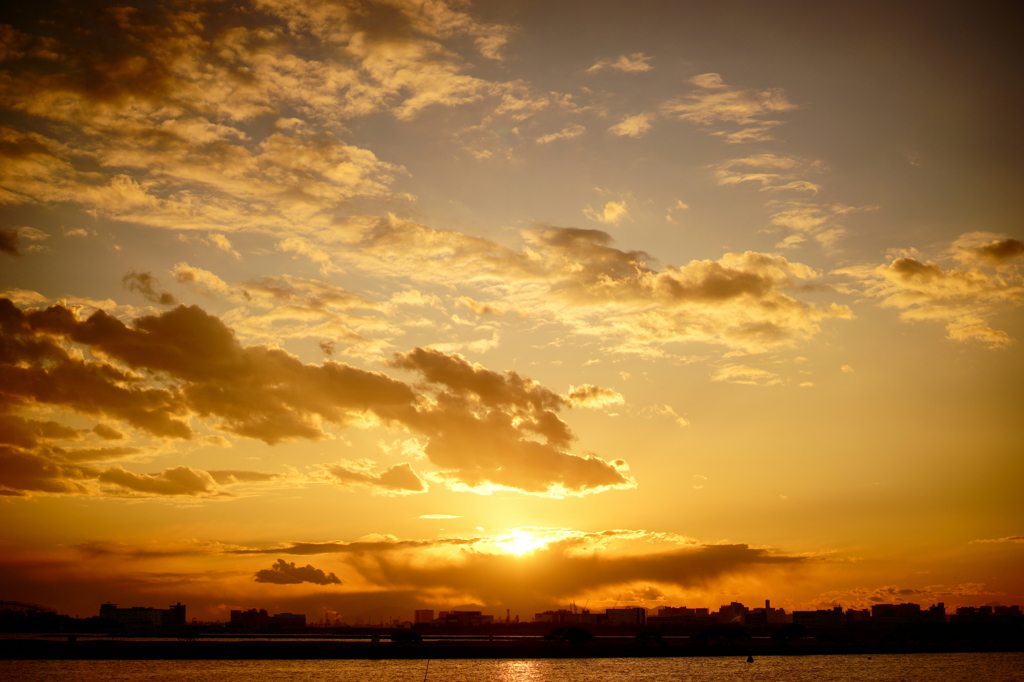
<point>521,542</point>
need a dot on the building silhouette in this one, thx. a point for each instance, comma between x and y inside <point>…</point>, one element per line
<point>145,616</point>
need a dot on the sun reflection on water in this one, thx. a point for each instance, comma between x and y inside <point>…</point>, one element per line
<point>521,671</point>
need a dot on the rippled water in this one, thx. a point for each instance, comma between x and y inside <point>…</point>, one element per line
<point>1001,667</point>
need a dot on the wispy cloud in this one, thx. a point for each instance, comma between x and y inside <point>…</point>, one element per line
<point>715,102</point>
<point>612,213</point>
<point>566,133</point>
<point>632,126</point>
<point>637,62</point>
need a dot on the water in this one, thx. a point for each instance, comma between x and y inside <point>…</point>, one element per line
<point>998,667</point>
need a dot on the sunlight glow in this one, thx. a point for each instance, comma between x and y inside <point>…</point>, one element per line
<point>521,542</point>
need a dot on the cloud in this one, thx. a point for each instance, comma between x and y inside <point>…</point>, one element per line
<point>1011,539</point>
<point>634,63</point>
<point>37,368</point>
<point>565,565</point>
<point>566,133</point>
<point>793,241</point>
<point>613,213</point>
<point>508,412</point>
<point>284,573</point>
<point>310,250</point>
<point>482,308</point>
<point>964,298</point>
<point>715,102</point>
<point>632,126</point>
<point>399,479</point>
<point>145,284</point>
<point>232,476</point>
<point>382,543</point>
<point>203,281</point>
<point>286,307</point>
<point>772,172</point>
<point>866,597</point>
<point>224,244</point>
<point>181,480</point>
<point>253,391</point>
<point>742,374</point>
<point>986,248</point>
<point>30,463</point>
<point>560,564</point>
<point>592,396</point>
<point>107,433</point>
<point>196,369</point>
<point>846,368</point>
<point>665,411</point>
<point>156,109</point>
<point>23,471</point>
<point>679,206</point>
<point>575,277</point>
<point>9,242</point>
<point>16,430</point>
<point>438,516</point>
<point>817,221</point>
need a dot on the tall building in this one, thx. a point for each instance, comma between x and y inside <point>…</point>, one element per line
<point>423,616</point>
<point>733,613</point>
<point>629,617</point>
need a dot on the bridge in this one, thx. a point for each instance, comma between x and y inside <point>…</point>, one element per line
<point>25,606</point>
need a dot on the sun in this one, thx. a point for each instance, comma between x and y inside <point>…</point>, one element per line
<point>521,542</point>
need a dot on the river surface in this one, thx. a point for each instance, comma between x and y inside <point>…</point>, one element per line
<point>988,667</point>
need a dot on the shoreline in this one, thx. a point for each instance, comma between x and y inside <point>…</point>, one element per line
<point>38,649</point>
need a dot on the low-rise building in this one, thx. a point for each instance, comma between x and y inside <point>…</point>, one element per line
<point>254,619</point>
<point>467,618</point>
<point>858,616</point>
<point>557,617</point>
<point>250,620</point>
<point>821,618</point>
<point>289,620</point>
<point>145,616</point>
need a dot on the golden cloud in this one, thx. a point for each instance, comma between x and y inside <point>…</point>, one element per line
<point>964,298</point>
<point>575,277</point>
<point>485,430</point>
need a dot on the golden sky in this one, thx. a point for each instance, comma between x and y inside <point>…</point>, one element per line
<point>369,306</point>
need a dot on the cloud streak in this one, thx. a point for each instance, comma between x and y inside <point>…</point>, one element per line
<point>715,102</point>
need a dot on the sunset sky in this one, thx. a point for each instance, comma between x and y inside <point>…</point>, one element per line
<point>366,306</point>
